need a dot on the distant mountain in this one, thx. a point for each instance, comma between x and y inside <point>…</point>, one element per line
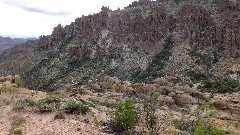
<point>7,42</point>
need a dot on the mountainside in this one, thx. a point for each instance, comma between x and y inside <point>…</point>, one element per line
<point>165,67</point>
<point>7,42</point>
<point>195,40</point>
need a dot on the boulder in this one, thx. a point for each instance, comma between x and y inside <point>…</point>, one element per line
<point>9,78</point>
<point>90,82</point>
<point>165,100</point>
<point>100,77</point>
<point>184,99</point>
<point>95,86</point>
<point>113,89</point>
<point>117,88</point>
<point>160,81</point>
<point>106,77</point>
<point>2,79</point>
<point>109,85</point>
<point>123,88</point>
<point>130,90</point>
<point>6,83</point>
<point>17,78</point>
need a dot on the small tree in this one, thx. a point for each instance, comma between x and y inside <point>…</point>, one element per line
<point>125,117</point>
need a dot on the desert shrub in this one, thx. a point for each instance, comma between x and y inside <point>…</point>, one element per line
<point>29,102</point>
<point>16,124</point>
<point>151,119</point>
<point>197,127</point>
<point>183,125</point>
<point>237,124</point>
<point>96,121</point>
<point>49,103</point>
<point>76,108</point>
<point>17,131</point>
<point>19,84</point>
<point>17,106</point>
<point>196,76</point>
<point>208,108</point>
<point>203,129</point>
<point>221,85</point>
<point>218,2</point>
<point>59,115</point>
<point>154,96</point>
<point>7,89</point>
<point>125,117</point>
<point>200,57</point>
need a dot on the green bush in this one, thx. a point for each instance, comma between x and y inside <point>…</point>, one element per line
<point>76,108</point>
<point>49,104</point>
<point>125,117</point>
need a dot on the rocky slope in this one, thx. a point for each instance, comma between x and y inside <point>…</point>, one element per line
<point>179,109</point>
<point>198,40</point>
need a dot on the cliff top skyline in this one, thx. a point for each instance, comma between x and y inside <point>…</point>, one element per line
<point>26,18</point>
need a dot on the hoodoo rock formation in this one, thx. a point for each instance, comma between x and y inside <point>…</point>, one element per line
<point>145,24</point>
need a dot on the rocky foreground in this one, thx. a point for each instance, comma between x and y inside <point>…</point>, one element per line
<point>177,106</point>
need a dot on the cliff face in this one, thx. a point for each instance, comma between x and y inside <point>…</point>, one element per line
<point>146,23</point>
<point>142,38</point>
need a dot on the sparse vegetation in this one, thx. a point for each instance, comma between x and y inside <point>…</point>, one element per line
<point>16,124</point>
<point>196,76</point>
<point>96,121</point>
<point>17,106</point>
<point>237,124</point>
<point>166,63</point>
<point>20,84</point>
<point>200,57</point>
<point>208,108</point>
<point>221,85</point>
<point>76,108</point>
<point>151,119</point>
<point>7,89</point>
<point>197,127</point>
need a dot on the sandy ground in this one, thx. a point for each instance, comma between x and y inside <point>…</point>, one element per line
<point>5,124</point>
<point>44,124</point>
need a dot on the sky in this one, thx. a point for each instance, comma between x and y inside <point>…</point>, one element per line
<point>32,18</point>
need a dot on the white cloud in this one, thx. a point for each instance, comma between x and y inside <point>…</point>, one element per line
<point>38,17</point>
